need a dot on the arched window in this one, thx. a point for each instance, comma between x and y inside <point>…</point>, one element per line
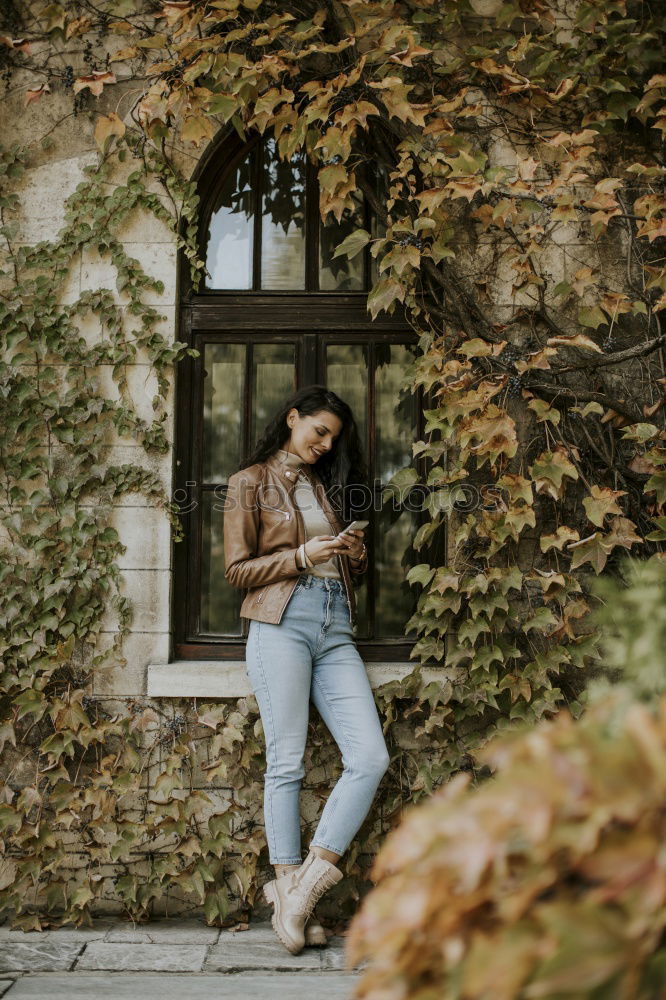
<point>277,312</point>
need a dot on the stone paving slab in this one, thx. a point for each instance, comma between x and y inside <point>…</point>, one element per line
<point>165,932</point>
<point>258,948</point>
<point>143,957</point>
<point>4,985</point>
<point>281,986</point>
<point>38,955</point>
<point>58,934</point>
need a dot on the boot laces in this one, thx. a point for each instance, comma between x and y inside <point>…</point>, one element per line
<point>325,882</point>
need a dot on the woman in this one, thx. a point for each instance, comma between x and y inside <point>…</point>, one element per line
<point>283,542</point>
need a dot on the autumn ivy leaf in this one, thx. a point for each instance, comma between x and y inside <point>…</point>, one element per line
<point>544,411</point>
<point>34,93</point>
<point>107,127</point>
<point>431,199</point>
<point>490,434</point>
<point>591,549</point>
<point>224,105</point>
<point>423,574</point>
<point>353,244</point>
<point>476,348</point>
<point>657,482</point>
<point>542,619</point>
<point>384,295</point>
<point>538,360</point>
<point>549,470</point>
<point>592,407</point>
<point>577,340</point>
<point>602,502</point>
<point>640,432</point>
<point>400,486</point>
<point>95,82</point>
<point>564,210</point>
<point>471,629</point>
<point>593,317</point>
<point>196,129</point>
<point>659,535</point>
<point>558,539</point>
<point>517,487</point>
<point>622,532</point>
<point>445,579</point>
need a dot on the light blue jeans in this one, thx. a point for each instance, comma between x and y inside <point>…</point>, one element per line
<point>311,655</point>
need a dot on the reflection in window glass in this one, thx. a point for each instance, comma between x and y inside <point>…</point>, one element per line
<point>395,417</point>
<point>394,598</point>
<point>283,221</point>
<point>273,381</point>
<point>220,602</point>
<point>341,275</point>
<point>347,375</point>
<point>222,410</point>
<point>230,235</point>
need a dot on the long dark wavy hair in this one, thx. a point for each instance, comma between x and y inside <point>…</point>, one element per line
<point>342,468</point>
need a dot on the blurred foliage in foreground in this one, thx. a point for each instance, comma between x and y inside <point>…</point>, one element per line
<point>549,881</point>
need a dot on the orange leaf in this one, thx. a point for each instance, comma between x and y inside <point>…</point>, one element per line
<point>34,93</point>
<point>95,82</point>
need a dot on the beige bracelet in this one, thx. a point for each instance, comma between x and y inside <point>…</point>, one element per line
<point>304,558</point>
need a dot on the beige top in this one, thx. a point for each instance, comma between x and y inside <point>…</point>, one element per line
<point>314,519</point>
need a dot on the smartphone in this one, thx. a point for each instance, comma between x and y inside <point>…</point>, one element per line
<point>355,525</point>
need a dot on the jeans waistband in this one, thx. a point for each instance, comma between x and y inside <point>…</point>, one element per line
<point>324,582</point>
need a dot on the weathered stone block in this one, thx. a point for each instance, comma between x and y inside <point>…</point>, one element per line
<point>38,956</point>
<point>167,932</point>
<point>143,957</point>
<point>258,948</point>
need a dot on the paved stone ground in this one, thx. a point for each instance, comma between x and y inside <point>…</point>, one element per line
<point>167,959</point>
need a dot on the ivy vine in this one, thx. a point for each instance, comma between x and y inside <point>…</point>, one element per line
<point>521,231</point>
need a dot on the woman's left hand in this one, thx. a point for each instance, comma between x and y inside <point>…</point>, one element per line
<point>353,543</point>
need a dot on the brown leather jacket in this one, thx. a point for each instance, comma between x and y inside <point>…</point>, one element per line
<point>263,529</point>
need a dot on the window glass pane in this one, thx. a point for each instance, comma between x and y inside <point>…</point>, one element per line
<point>283,221</point>
<point>347,375</point>
<point>220,602</point>
<point>222,410</point>
<point>394,598</point>
<point>341,274</point>
<point>396,410</point>
<point>273,381</point>
<point>230,234</point>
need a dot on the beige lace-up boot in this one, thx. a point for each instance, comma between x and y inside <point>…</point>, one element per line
<point>315,935</point>
<point>295,896</point>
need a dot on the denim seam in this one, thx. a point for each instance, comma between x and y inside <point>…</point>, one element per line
<point>272,725</point>
<point>335,848</point>
<point>335,794</point>
<point>321,638</point>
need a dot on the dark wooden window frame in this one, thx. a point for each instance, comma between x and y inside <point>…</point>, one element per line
<point>209,315</point>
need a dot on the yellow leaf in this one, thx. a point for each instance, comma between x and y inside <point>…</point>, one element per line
<point>107,127</point>
<point>196,128</point>
<point>602,502</point>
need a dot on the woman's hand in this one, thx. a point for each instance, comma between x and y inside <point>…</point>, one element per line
<point>353,543</point>
<point>321,548</point>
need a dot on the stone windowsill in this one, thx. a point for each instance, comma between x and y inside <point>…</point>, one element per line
<point>227,678</point>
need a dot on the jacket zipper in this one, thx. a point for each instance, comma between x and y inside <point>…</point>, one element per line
<point>301,525</point>
<point>300,532</point>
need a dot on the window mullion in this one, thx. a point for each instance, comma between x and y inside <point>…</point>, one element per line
<point>311,228</point>
<point>258,186</point>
